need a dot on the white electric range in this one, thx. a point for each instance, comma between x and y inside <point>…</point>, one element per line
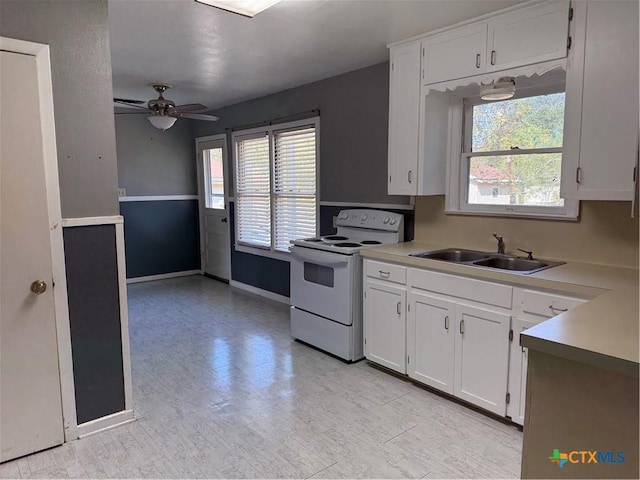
<point>326,281</point>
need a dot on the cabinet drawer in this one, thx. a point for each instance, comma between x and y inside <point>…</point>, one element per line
<point>547,304</point>
<point>385,271</point>
<point>467,288</point>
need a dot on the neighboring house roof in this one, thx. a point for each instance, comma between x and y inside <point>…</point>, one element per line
<point>487,173</point>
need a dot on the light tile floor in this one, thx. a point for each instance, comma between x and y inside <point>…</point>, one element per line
<point>221,391</point>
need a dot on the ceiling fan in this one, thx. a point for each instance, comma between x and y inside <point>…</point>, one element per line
<point>164,112</point>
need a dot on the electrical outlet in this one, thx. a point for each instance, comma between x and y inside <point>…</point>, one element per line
<point>122,192</point>
<point>335,221</point>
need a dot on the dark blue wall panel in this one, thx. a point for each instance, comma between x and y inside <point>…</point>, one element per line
<point>94,318</point>
<point>161,236</point>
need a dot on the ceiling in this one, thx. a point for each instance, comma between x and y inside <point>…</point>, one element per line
<point>219,58</point>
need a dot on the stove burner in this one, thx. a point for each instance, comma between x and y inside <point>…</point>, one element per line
<point>313,240</point>
<point>370,242</point>
<point>347,244</point>
<point>335,237</point>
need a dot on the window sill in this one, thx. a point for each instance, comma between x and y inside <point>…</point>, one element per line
<point>263,252</point>
<point>570,217</point>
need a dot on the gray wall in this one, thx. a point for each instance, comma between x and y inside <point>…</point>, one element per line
<point>153,162</point>
<point>78,35</point>
<point>354,111</point>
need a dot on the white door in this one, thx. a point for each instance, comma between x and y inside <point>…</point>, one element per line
<point>214,218</point>
<point>482,357</point>
<point>30,399</point>
<point>430,340</point>
<point>385,325</point>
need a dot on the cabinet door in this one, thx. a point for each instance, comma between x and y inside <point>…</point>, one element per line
<point>455,54</point>
<point>528,36</point>
<point>430,340</point>
<point>518,371</point>
<point>601,111</point>
<point>385,325</point>
<point>404,119</point>
<point>482,357</point>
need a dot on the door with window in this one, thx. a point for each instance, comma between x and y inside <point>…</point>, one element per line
<point>214,218</point>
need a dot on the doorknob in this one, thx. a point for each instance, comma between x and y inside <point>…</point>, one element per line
<point>38,287</point>
<point>223,220</point>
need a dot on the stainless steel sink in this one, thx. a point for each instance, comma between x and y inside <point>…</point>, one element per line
<point>508,263</point>
<point>452,255</point>
<point>497,261</point>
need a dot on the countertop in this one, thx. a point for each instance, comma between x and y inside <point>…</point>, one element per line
<point>602,332</point>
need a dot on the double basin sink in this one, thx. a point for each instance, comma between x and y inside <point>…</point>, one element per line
<point>488,260</point>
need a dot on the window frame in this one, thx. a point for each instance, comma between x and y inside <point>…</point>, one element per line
<point>461,119</point>
<point>270,130</point>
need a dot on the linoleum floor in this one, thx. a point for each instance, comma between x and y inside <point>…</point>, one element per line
<point>221,391</point>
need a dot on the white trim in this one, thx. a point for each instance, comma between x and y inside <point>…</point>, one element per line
<point>389,206</point>
<point>262,252</point>
<point>52,185</point>
<point>156,198</point>
<point>162,276</point>
<point>258,291</point>
<point>87,221</point>
<point>124,317</point>
<point>105,423</point>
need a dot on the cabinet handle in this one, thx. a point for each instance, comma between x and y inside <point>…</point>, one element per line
<point>446,322</point>
<point>554,309</point>
<point>493,57</point>
<point>477,60</point>
<point>409,176</point>
<point>384,274</point>
<point>398,306</point>
<point>461,327</point>
<point>578,175</point>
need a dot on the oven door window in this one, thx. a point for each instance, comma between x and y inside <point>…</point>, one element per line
<point>318,274</point>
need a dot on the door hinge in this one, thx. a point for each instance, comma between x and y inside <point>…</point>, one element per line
<point>408,359</point>
<point>635,169</point>
<point>568,43</point>
<point>408,307</point>
<point>423,51</point>
<point>365,294</point>
<point>511,335</point>
<point>570,13</point>
<point>365,340</point>
<point>392,66</point>
<point>389,178</point>
<point>508,398</point>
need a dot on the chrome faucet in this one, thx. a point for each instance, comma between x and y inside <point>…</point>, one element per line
<point>500,242</point>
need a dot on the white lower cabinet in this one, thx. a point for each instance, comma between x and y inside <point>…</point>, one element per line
<point>384,318</point>
<point>482,357</point>
<point>457,334</point>
<point>430,340</point>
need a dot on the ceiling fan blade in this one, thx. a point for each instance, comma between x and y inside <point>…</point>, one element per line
<point>191,107</point>
<point>123,103</point>
<point>199,116</point>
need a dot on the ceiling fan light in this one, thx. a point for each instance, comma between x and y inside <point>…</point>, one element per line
<point>247,8</point>
<point>503,89</point>
<point>161,122</point>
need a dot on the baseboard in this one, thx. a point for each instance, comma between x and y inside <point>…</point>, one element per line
<point>258,291</point>
<point>162,276</point>
<point>105,423</point>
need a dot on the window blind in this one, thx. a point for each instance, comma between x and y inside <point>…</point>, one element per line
<point>253,191</point>
<point>295,205</point>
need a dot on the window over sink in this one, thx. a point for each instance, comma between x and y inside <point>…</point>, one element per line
<point>508,159</point>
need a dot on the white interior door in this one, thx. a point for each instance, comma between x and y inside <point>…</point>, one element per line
<point>30,398</point>
<point>214,218</point>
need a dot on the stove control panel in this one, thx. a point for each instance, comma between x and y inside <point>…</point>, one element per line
<point>373,219</point>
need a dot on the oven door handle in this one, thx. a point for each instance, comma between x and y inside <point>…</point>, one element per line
<point>318,258</point>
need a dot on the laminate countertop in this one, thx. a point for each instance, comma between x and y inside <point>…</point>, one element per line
<point>602,332</point>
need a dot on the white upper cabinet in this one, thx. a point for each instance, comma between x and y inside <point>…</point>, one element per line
<point>404,119</point>
<point>600,150</point>
<point>457,53</point>
<point>524,37</point>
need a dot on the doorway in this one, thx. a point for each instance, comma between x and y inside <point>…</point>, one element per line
<point>215,249</point>
<point>34,324</point>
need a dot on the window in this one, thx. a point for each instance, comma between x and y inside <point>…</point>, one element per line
<point>511,158</point>
<point>276,184</point>
<point>214,177</point>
